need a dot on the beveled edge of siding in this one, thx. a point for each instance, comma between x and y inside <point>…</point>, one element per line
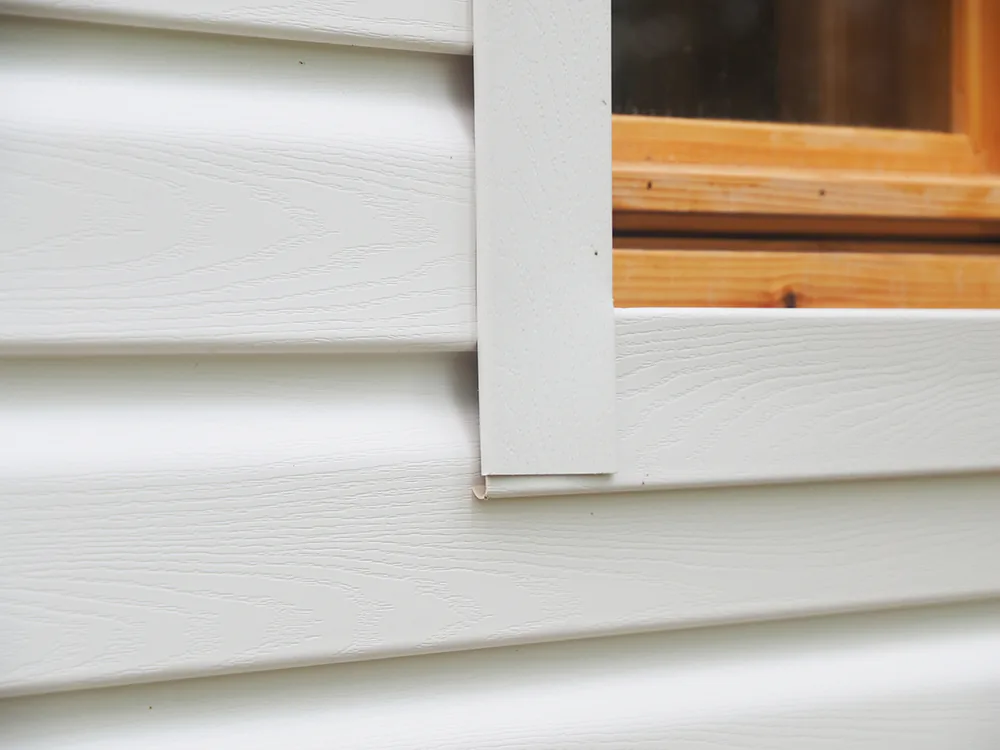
<point>875,677</point>
<point>436,26</point>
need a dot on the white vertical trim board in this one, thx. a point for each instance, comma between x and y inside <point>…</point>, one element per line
<point>715,397</point>
<point>431,25</point>
<point>543,180</point>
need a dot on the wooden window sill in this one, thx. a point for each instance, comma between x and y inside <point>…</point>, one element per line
<point>690,188</point>
<point>805,274</point>
<point>676,140</point>
<point>859,177</point>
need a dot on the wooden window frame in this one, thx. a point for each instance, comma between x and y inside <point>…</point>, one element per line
<point>701,396</point>
<point>679,175</point>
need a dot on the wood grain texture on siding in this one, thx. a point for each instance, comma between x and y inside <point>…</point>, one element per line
<point>806,278</point>
<point>181,516</point>
<point>911,680</point>
<point>176,192</point>
<point>433,25</point>
<point>727,396</point>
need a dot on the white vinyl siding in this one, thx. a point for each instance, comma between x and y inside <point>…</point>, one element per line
<point>181,192</point>
<point>239,419</point>
<point>427,25</point>
<point>915,680</point>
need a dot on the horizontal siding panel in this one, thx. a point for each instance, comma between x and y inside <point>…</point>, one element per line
<point>900,681</point>
<point>434,25</point>
<point>182,516</point>
<point>171,192</point>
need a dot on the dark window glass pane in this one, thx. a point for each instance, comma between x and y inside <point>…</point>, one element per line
<point>882,63</point>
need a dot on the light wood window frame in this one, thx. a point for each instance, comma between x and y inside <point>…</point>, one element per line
<point>680,175</point>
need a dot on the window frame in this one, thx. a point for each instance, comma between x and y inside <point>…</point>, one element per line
<point>771,371</point>
<point>668,167</point>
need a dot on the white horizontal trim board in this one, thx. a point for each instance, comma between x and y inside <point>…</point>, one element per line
<point>433,25</point>
<point>543,237</point>
<point>715,397</point>
<point>916,680</point>
<point>175,192</point>
<point>182,516</point>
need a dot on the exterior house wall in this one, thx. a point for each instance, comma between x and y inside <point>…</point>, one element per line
<point>239,419</point>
